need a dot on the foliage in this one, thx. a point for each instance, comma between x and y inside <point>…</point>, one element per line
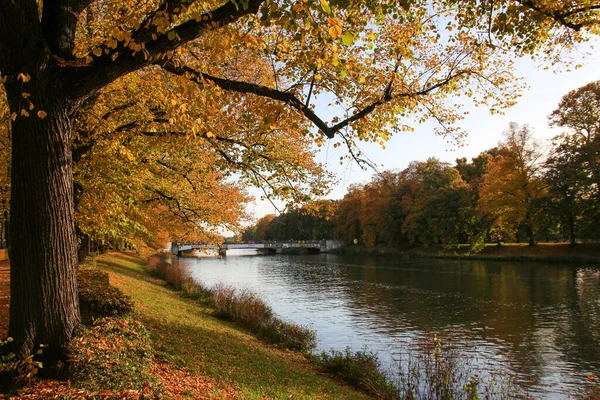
<point>99,297</point>
<point>115,355</point>
<point>262,226</point>
<point>378,62</point>
<point>252,313</point>
<point>315,220</point>
<point>574,165</point>
<point>513,183</point>
<point>360,369</point>
<point>15,371</point>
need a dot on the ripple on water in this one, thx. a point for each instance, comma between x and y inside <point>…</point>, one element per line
<point>541,323</point>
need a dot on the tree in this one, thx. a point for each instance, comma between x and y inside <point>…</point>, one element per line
<point>262,226</point>
<point>568,184</point>
<point>513,184</point>
<point>135,145</point>
<point>377,59</point>
<point>579,112</point>
<point>348,215</point>
<point>438,206</point>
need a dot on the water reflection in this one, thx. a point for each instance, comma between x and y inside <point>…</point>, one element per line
<point>543,321</point>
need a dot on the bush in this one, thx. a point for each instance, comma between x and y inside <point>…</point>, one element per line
<point>292,336</point>
<point>177,277</point>
<point>16,372</point>
<point>360,369</point>
<point>98,297</point>
<point>250,312</point>
<point>241,307</point>
<point>115,355</point>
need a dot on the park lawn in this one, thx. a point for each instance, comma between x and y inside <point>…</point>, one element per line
<point>196,346</point>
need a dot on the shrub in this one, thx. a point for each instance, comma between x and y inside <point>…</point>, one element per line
<point>97,296</point>
<point>196,291</point>
<point>241,307</point>
<point>178,278</point>
<point>252,313</point>
<point>114,355</point>
<point>360,369</point>
<point>292,336</point>
<point>16,372</point>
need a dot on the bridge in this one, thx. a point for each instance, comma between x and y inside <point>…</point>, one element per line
<point>274,247</point>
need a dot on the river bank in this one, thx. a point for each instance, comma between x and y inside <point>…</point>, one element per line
<point>195,354</point>
<point>542,252</point>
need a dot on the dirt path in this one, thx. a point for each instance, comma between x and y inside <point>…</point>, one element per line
<point>4,296</point>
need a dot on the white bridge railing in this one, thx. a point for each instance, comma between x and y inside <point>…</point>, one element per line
<point>278,246</point>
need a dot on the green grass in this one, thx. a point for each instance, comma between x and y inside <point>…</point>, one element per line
<point>186,335</point>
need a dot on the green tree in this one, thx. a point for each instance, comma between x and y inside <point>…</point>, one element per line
<point>439,207</point>
<point>569,191</point>
<point>579,112</point>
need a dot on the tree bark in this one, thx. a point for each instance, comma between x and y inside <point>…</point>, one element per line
<point>44,305</point>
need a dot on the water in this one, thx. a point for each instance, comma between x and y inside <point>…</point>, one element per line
<point>540,322</point>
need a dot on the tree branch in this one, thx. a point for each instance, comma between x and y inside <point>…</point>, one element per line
<point>293,101</point>
<point>59,23</point>
<point>128,57</point>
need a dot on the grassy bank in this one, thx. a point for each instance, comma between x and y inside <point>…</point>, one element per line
<point>542,252</point>
<point>189,341</point>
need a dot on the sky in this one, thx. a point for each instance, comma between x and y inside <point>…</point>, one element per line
<point>546,88</point>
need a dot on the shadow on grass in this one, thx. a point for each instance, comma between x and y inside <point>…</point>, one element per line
<point>240,361</point>
<point>141,274</point>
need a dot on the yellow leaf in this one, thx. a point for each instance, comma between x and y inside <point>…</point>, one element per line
<point>325,6</point>
<point>97,52</point>
<point>172,35</point>
<point>42,114</point>
<point>25,95</point>
<point>24,112</point>
<point>24,77</point>
<point>209,135</point>
<point>13,116</point>
<point>298,7</point>
<point>335,31</point>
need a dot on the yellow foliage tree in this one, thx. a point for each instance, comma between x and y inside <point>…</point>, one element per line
<point>378,62</point>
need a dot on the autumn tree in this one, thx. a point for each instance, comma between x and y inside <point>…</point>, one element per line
<point>348,215</point>
<point>379,61</point>
<point>262,226</point>
<point>138,145</point>
<point>513,184</point>
<point>314,220</point>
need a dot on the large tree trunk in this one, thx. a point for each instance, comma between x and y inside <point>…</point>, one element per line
<point>44,306</point>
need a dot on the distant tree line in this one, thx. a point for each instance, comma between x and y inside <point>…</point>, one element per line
<point>512,192</point>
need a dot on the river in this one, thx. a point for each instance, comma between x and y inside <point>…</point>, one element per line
<point>540,322</point>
